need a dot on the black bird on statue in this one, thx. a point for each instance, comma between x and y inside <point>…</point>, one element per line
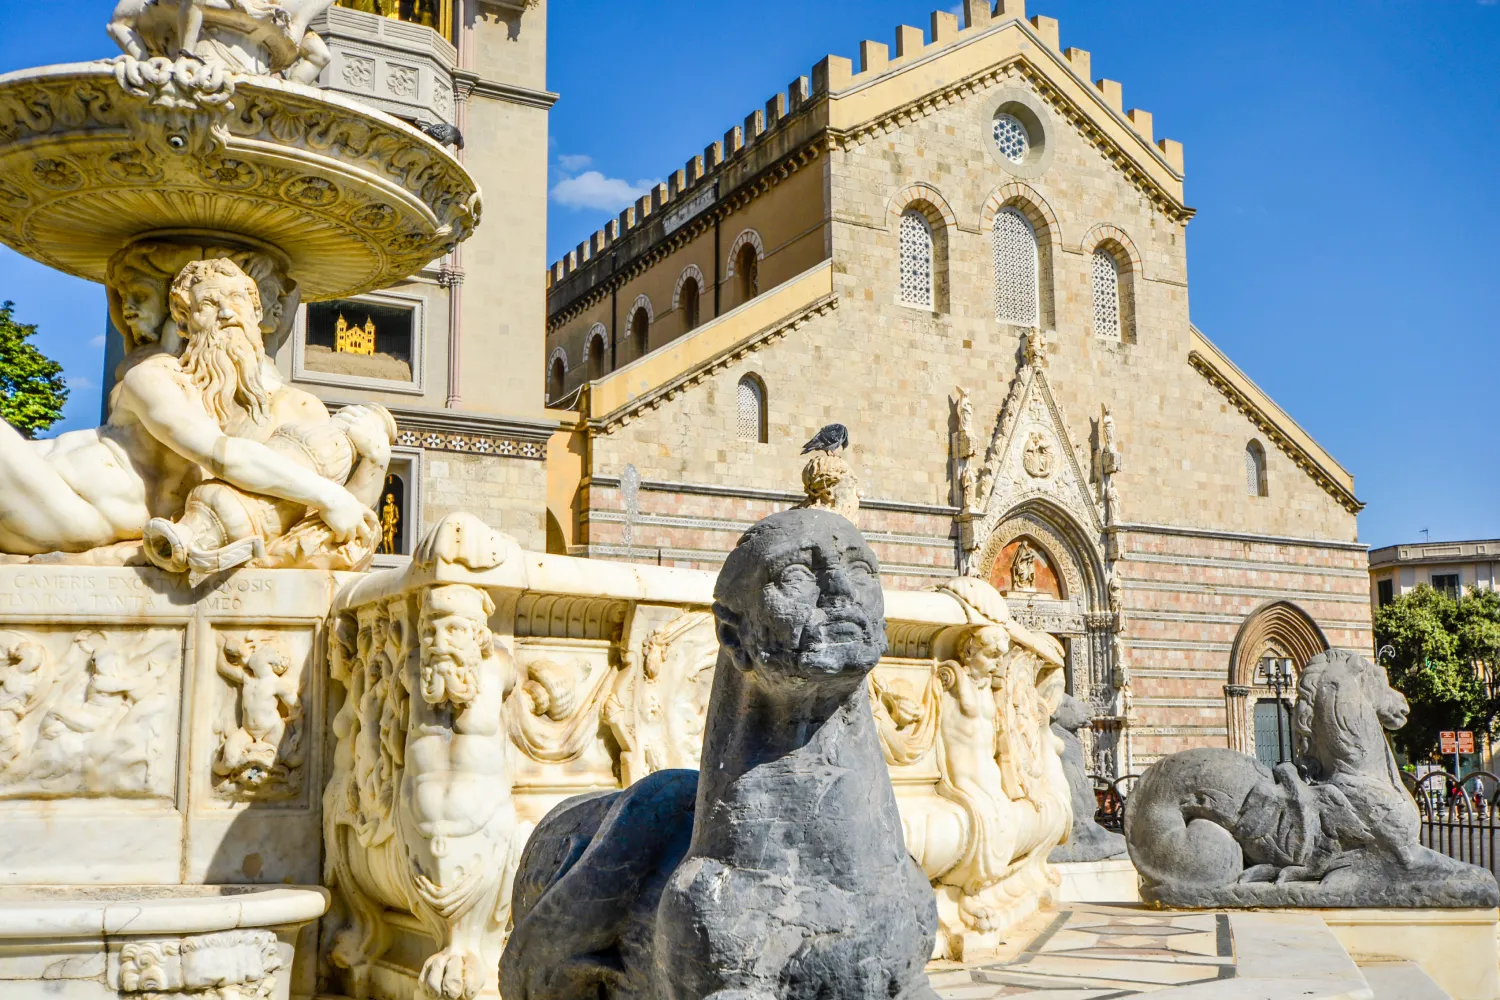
<point>441,132</point>
<point>832,438</point>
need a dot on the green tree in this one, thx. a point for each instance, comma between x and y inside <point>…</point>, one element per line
<point>32,388</point>
<point>1447,655</point>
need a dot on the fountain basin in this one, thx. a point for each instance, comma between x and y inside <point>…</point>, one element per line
<point>87,942</point>
<point>97,156</point>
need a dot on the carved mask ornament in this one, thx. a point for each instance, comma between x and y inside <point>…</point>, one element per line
<point>455,640</point>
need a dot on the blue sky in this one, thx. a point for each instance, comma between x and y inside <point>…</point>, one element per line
<point>1341,154</point>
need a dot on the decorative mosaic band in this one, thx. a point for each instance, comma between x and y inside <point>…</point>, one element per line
<point>472,444</point>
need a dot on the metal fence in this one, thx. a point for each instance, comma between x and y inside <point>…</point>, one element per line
<point>1109,796</point>
<point>1459,816</point>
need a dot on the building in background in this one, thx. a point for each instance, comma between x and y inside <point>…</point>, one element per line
<point>1452,567</point>
<point>970,251</point>
<point>458,362</point>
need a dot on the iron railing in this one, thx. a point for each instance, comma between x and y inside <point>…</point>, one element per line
<point>1109,795</point>
<point>1460,817</point>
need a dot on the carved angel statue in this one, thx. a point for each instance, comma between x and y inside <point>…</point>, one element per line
<point>241,36</point>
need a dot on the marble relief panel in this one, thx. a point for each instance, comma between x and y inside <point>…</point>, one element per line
<point>89,713</point>
<point>556,713</point>
<point>261,713</point>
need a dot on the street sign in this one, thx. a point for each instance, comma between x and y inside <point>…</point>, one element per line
<point>1465,741</point>
<point>1449,740</point>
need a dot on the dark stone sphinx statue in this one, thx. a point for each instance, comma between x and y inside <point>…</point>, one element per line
<point>1213,827</point>
<point>1088,841</point>
<point>777,872</point>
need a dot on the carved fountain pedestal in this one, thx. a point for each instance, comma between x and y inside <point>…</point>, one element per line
<point>166,579</point>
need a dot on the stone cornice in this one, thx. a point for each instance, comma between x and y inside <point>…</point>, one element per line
<point>726,205</point>
<point>670,388</point>
<point>1271,428</point>
<point>474,85</point>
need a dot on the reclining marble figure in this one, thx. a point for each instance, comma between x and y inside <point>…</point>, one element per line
<point>1214,827</point>
<point>291,485</point>
<point>778,870</point>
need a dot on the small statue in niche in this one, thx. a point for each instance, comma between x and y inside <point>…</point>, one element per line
<point>259,754</point>
<point>1023,569</point>
<point>390,521</point>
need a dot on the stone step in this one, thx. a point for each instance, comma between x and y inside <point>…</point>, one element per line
<point>1401,981</point>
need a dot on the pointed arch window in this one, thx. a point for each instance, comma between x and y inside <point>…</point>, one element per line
<point>1106,295</point>
<point>555,377</point>
<point>916,260</point>
<point>1255,470</point>
<point>750,410</point>
<point>1013,244</point>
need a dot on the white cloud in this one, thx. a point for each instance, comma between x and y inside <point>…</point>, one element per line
<point>79,382</point>
<point>97,341</point>
<point>572,163</point>
<point>591,189</point>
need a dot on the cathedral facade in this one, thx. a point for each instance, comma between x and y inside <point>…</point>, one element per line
<point>967,250</point>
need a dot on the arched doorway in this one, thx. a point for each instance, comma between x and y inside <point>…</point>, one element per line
<point>1278,634</point>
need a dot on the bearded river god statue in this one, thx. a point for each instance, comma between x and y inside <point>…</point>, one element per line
<point>207,455</point>
<point>1212,827</point>
<point>779,869</point>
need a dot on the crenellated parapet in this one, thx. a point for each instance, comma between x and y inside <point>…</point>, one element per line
<point>482,685</point>
<point>844,101</point>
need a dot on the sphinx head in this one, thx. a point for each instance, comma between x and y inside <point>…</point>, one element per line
<point>799,599</point>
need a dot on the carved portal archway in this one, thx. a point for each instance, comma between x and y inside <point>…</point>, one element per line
<point>1278,629</point>
<point>1066,597</point>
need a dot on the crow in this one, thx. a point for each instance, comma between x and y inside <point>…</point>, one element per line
<point>442,133</point>
<point>830,439</point>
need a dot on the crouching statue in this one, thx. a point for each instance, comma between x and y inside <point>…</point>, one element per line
<point>1212,827</point>
<point>779,869</point>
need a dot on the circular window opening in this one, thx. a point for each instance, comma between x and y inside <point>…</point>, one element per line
<point>1011,138</point>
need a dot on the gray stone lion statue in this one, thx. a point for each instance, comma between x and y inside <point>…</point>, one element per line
<point>777,872</point>
<point>1213,827</point>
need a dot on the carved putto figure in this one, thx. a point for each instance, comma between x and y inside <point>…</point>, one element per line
<point>777,871</point>
<point>241,36</point>
<point>1213,827</point>
<point>292,486</point>
<point>1003,802</point>
<point>260,749</point>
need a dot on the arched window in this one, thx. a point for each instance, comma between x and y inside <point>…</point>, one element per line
<point>689,299</point>
<point>555,376</point>
<point>596,357</point>
<point>1015,260</point>
<point>1255,470</point>
<point>1106,295</point>
<point>747,267</point>
<point>750,410</point>
<point>640,331</point>
<point>916,260</point>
